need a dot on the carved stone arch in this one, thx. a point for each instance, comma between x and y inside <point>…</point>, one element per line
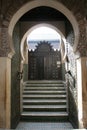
<point>17,9</point>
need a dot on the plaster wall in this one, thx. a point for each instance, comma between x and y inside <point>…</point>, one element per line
<point>5,92</point>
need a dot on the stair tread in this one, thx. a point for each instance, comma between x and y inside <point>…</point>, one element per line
<point>35,95</point>
<point>42,88</point>
<point>44,91</point>
<point>44,85</point>
<point>44,114</point>
<point>44,81</point>
<point>44,106</point>
<point>42,100</point>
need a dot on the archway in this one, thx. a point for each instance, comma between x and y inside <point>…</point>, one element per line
<point>51,27</point>
<point>53,4</point>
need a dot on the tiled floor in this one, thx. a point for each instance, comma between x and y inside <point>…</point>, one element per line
<point>43,126</point>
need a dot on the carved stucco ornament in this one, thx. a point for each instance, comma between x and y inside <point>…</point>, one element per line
<point>4,46</point>
<point>82,44</point>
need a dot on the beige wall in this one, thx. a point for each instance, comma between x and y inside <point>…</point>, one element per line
<point>82,91</point>
<point>5,95</point>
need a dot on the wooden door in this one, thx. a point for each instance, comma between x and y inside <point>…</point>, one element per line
<point>40,68</point>
<point>48,67</point>
<point>43,63</point>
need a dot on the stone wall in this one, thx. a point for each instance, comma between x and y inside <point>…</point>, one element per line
<point>71,76</point>
<point>15,83</point>
<point>73,113</point>
<point>70,53</point>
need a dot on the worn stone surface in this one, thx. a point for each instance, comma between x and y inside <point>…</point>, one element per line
<point>44,126</point>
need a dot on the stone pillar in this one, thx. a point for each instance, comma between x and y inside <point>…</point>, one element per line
<point>82,91</point>
<point>5,92</point>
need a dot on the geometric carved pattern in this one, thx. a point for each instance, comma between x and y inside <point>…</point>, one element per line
<point>4,46</point>
<point>82,46</point>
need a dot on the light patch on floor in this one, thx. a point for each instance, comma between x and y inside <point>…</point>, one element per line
<point>43,126</point>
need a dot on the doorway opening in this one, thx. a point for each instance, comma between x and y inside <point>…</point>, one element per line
<point>47,20</point>
<point>44,54</point>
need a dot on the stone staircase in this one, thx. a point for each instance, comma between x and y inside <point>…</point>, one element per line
<point>44,101</point>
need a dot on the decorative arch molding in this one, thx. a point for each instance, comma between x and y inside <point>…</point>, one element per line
<point>37,26</point>
<point>23,6</point>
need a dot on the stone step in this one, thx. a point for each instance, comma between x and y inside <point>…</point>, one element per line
<point>43,85</point>
<point>44,92</point>
<point>44,116</point>
<point>36,96</point>
<point>45,113</point>
<point>44,106</point>
<point>44,88</point>
<point>44,81</point>
<point>44,102</point>
<point>40,108</point>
